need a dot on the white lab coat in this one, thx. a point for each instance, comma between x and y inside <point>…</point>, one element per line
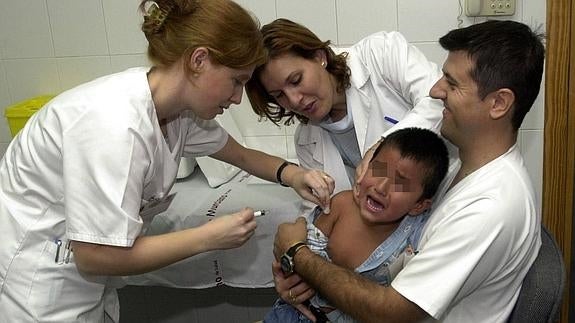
<point>389,78</point>
<point>81,169</point>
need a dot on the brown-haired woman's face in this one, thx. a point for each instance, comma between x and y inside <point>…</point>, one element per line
<point>300,85</point>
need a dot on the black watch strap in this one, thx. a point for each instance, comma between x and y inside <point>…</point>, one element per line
<point>280,171</point>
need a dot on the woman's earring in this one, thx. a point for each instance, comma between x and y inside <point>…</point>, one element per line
<point>323,64</point>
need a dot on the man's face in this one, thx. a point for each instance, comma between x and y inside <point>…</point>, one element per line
<point>464,111</point>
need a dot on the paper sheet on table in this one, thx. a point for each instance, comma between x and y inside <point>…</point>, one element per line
<point>196,203</point>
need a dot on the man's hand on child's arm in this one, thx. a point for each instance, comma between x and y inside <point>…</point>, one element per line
<point>293,290</point>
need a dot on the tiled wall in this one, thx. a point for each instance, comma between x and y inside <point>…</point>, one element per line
<point>47,46</point>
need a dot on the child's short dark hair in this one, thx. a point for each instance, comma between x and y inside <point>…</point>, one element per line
<point>422,146</point>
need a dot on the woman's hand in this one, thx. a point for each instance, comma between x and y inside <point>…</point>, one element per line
<point>293,290</point>
<point>313,185</point>
<point>363,166</point>
<point>231,231</point>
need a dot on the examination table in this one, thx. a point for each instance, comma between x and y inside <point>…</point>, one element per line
<point>233,285</point>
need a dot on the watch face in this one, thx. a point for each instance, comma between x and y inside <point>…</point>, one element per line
<point>286,265</point>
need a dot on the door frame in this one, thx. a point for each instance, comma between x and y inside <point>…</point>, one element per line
<point>559,133</point>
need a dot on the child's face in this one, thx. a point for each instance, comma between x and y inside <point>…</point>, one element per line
<point>391,188</point>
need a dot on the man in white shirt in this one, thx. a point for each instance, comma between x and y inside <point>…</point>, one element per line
<point>483,234</point>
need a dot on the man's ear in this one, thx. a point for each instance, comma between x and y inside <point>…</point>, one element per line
<point>503,100</point>
<point>199,59</point>
<point>420,207</point>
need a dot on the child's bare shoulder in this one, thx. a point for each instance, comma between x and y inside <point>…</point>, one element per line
<point>342,201</point>
<point>339,203</point>
<point>342,197</point>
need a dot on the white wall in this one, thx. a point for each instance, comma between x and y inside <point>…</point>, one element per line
<point>48,46</point>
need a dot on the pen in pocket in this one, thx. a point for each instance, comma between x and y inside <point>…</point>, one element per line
<point>63,256</point>
<point>58,243</point>
<point>68,251</point>
<point>390,119</point>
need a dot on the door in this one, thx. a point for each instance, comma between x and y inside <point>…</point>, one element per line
<point>559,136</point>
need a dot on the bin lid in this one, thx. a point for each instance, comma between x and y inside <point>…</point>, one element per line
<point>27,107</point>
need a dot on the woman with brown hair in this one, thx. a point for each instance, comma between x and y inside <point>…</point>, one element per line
<point>344,101</point>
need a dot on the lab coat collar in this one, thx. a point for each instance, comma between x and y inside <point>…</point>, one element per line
<point>311,135</point>
<point>325,153</point>
<point>360,74</point>
<point>360,97</point>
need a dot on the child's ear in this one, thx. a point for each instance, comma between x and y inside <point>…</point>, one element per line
<point>420,207</point>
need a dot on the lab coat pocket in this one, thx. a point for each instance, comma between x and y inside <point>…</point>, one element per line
<point>46,287</point>
<point>58,292</point>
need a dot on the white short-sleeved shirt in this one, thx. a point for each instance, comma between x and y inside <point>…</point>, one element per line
<point>81,169</point>
<point>477,246</point>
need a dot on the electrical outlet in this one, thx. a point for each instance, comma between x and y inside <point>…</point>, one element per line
<point>476,8</point>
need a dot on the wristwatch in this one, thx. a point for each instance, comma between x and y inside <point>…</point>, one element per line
<point>286,259</point>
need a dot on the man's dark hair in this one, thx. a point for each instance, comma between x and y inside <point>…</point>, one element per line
<point>424,147</point>
<point>507,54</point>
